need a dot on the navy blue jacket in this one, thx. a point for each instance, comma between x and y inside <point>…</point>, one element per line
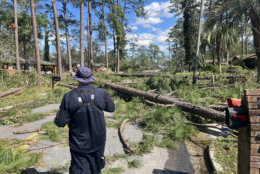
<point>87,127</point>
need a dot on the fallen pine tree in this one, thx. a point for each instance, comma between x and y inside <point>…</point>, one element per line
<point>184,76</point>
<point>205,112</point>
<point>12,91</point>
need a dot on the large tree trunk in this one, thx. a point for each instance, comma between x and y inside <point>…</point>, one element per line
<point>46,45</point>
<point>67,34</point>
<point>118,42</point>
<point>26,66</point>
<point>198,44</point>
<point>255,21</point>
<point>218,50</point>
<point>104,21</point>
<point>88,41</point>
<point>18,67</point>
<point>188,107</point>
<point>57,37</point>
<point>37,53</point>
<point>118,55</point>
<point>82,33</point>
<point>12,91</point>
<point>142,75</point>
<point>90,34</point>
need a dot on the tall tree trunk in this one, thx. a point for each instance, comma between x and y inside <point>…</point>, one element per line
<point>218,50</point>
<point>88,41</point>
<point>104,21</point>
<point>18,67</point>
<point>114,42</point>
<point>57,37</point>
<point>227,56</point>
<point>90,34</point>
<point>37,53</point>
<point>82,33</point>
<point>198,44</point>
<point>255,22</point>
<point>118,42</point>
<point>67,34</point>
<point>242,40</point>
<point>46,45</point>
<point>26,67</point>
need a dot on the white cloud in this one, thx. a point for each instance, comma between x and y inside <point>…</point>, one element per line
<point>162,36</point>
<point>158,9</point>
<point>144,42</point>
<point>145,36</point>
<point>149,20</point>
<point>134,27</point>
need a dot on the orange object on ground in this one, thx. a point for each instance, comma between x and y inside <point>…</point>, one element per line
<point>233,102</point>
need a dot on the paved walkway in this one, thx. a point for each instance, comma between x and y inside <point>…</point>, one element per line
<point>160,161</point>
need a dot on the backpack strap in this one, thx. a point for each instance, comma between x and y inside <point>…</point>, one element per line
<point>79,92</point>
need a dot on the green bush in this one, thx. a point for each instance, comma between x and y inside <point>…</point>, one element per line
<point>210,67</point>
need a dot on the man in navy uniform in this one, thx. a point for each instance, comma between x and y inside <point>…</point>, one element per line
<point>82,109</point>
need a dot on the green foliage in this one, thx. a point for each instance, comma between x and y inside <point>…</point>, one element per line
<point>162,84</point>
<point>159,83</point>
<point>55,133</point>
<point>211,68</point>
<point>226,154</point>
<point>134,164</point>
<point>31,78</point>
<point>116,170</point>
<point>13,159</point>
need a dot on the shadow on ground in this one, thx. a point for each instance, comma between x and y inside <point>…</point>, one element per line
<point>34,171</point>
<point>61,170</point>
<point>158,171</point>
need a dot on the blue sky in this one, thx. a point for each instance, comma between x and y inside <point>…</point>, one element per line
<point>153,28</point>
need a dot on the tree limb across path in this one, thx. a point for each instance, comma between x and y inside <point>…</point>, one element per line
<point>205,112</point>
<point>12,91</point>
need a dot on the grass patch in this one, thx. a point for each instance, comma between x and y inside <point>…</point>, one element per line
<point>25,95</point>
<point>13,159</point>
<point>226,154</point>
<point>116,170</point>
<point>54,133</point>
<point>134,164</point>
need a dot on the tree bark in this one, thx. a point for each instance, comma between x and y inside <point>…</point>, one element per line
<point>255,21</point>
<point>82,33</point>
<point>26,67</point>
<point>46,45</point>
<point>90,34</point>
<point>57,37</point>
<point>198,44</point>
<point>88,41</point>
<point>18,67</point>
<point>188,107</point>
<point>118,42</point>
<point>12,91</point>
<point>37,53</point>
<point>104,21</point>
<point>141,75</point>
<point>185,106</point>
<point>67,34</point>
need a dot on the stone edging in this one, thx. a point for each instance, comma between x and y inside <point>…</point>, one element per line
<point>215,165</point>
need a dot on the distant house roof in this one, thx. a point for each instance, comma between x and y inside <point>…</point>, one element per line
<point>31,61</point>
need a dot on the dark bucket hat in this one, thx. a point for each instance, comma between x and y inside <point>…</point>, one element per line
<point>84,75</point>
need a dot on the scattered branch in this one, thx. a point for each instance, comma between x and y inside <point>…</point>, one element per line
<point>26,131</point>
<point>121,129</point>
<point>12,91</point>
